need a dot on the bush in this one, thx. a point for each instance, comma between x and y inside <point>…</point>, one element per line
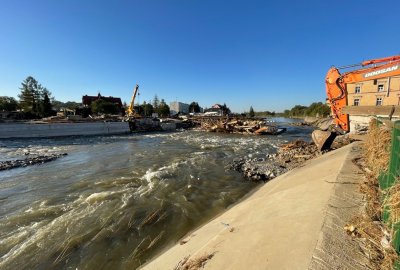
<point>101,106</point>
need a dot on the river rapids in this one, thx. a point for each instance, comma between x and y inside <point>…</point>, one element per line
<point>115,202</point>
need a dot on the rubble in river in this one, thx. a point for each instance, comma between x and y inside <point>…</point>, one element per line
<point>257,169</point>
<point>294,154</point>
<point>10,164</point>
<point>237,125</point>
<point>288,156</point>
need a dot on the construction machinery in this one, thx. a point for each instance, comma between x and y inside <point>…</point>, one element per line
<point>130,111</point>
<point>336,91</point>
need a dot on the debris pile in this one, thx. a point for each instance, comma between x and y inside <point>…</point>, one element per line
<point>236,125</point>
<point>293,154</point>
<point>10,164</point>
<point>288,156</point>
<point>376,241</point>
<point>258,169</point>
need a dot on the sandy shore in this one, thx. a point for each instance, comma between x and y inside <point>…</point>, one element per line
<point>277,227</point>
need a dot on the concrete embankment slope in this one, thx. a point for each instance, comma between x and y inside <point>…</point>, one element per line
<point>280,226</point>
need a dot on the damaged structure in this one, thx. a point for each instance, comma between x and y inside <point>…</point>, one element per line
<point>236,125</point>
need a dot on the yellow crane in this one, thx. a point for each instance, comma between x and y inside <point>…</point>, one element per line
<point>130,111</point>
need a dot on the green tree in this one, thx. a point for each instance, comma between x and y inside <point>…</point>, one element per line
<point>72,105</point>
<point>32,97</point>
<point>101,106</point>
<point>27,98</point>
<point>251,112</point>
<point>318,109</point>
<point>44,101</point>
<point>194,107</point>
<point>298,110</point>
<point>286,113</point>
<point>156,102</point>
<point>57,105</point>
<point>147,109</point>
<point>225,110</point>
<point>46,109</point>
<point>265,113</point>
<point>163,109</point>
<point>8,104</point>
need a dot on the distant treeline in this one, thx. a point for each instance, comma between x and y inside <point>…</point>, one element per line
<point>265,113</point>
<point>316,109</point>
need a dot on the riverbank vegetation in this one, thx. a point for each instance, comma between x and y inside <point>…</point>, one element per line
<point>194,107</point>
<point>35,101</point>
<point>369,226</point>
<point>8,104</point>
<point>316,109</point>
<point>155,106</point>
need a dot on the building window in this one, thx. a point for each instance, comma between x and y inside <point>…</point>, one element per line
<point>381,87</point>
<point>378,101</point>
<point>356,102</point>
<point>357,89</point>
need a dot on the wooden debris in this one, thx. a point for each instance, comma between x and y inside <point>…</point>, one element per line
<point>237,125</point>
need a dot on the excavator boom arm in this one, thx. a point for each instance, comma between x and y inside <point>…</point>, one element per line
<point>131,110</point>
<point>380,60</point>
<point>336,89</point>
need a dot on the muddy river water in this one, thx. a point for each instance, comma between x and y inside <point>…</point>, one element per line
<point>115,202</point>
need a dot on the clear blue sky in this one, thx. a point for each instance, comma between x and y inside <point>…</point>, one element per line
<point>268,54</point>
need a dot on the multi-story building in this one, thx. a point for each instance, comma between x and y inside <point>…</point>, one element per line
<point>378,92</point>
<point>176,107</point>
<point>87,100</point>
<point>373,97</point>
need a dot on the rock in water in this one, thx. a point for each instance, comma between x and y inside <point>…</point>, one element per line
<point>10,164</point>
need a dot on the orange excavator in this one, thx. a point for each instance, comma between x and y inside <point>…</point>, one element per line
<point>336,91</point>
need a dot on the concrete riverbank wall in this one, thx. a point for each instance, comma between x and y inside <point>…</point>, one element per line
<point>295,221</point>
<point>42,130</point>
<point>29,130</point>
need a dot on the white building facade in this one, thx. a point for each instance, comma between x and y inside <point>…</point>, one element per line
<point>178,107</point>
